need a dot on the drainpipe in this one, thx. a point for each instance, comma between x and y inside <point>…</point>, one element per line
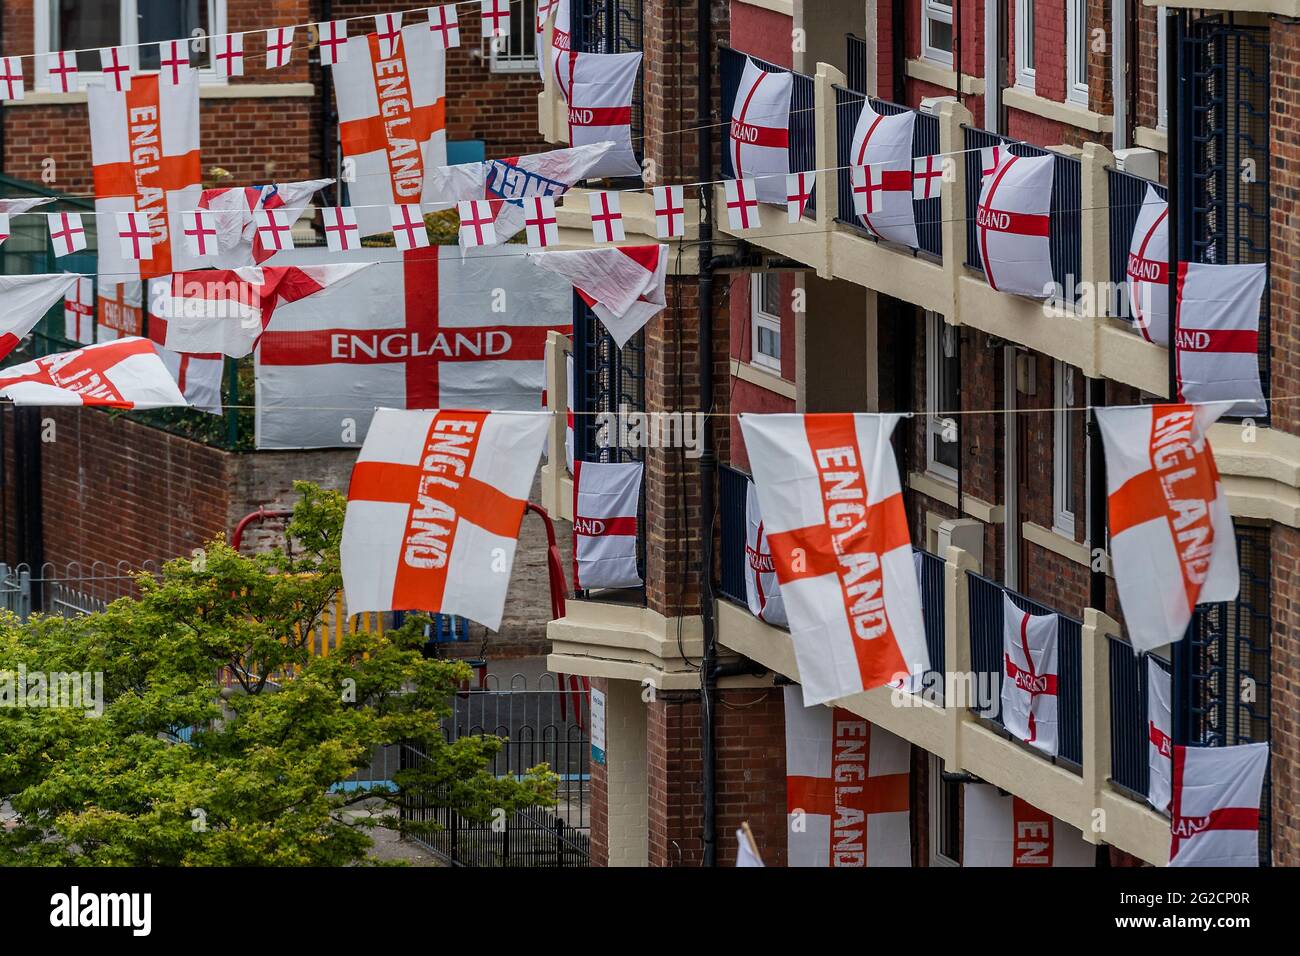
<point>898,18</point>
<point>992,68</point>
<point>956,44</point>
<point>1119,74</point>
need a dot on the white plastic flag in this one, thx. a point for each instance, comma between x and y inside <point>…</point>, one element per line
<point>333,41</point>
<point>758,142</point>
<point>174,62</point>
<point>11,76</point>
<point>134,235</point>
<point>67,234</point>
<point>116,66</point>
<point>341,231</point>
<point>16,207</point>
<point>798,190</point>
<point>927,177</point>
<point>234,216</point>
<point>762,592</point>
<point>274,229</point>
<point>24,300</point>
<point>279,47</point>
<point>388,30</point>
<point>200,231</point>
<point>409,230</point>
<point>606,216</point>
<point>623,285</point>
<point>229,55</point>
<point>742,204</point>
<point>477,223</point>
<point>540,223</point>
<point>1030,692</point>
<point>62,68</point>
<point>606,496</point>
<point>670,212</point>
<point>79,312</point>
<point>881,154</point>
<point>600,108</point>
<point>496,17</point>
<point>125,373</point>
<point>1012,225</point>
<point>1147,270</point>
<point>1214,808</point>
<point>445,25</point>
<point>1005,831</point>
<point>746,849</point>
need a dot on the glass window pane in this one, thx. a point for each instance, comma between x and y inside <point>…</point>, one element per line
<point>940,36</point>
<point>1028,9</point>
<point>771,288</point>
<point>170,20</point>
<point>85,25</point>
<point>769,342</point>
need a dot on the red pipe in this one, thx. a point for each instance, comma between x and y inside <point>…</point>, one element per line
<point>260,515</point>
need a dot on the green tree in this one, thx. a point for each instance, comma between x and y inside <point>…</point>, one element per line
<point>255,783</point>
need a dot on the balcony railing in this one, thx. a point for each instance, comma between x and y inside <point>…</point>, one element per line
<point>930,579</point>
<point>613,26</point>
<point>1066,230</point>
<point>986,658</point>
<point>803,114</point>
<point>855,62</point>
<point>1129,730</point>
<point>1125,193</point>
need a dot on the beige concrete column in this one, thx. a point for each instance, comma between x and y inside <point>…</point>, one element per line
<point>557,486</point>
<point>1096,708</point>
<point>952,141</point>
<point>1095,226</point>
<point>960,689</point>
<point>626,774</point>
<point>831,354</point>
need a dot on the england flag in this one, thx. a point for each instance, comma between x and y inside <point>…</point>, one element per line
<point>1147,271</point>
<point>24,300</point>
<point>234,209</point>
<point>1003,830</point>
<point>1029,681</point>
<point>606,496</point>
<point>881,154</point>
<point>623,285</point>
<point>1218,334</point>
<point>1160,730</point>
<point>758,141</point>
<point>600,108</point>
<point>1012,225</point>
<point>79,312</point>
<point>1214,809</point>
<point>762,593</point>
<point>126,373</point>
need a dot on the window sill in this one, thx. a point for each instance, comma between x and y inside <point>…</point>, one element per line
<point>765,378</point>
<point>1070,114</point>
<point>214,91</point>
<point>945,491</point>
<point>776,6</point>
<point>1057,543</point>
<point>1149,138</point>
<point>937,74</point>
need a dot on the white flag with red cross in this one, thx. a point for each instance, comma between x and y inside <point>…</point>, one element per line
<point>758,140</point>
<point>121,310</point>
<point>541,225</point>
<point>197,376</point>
<point>79,312</point>
<point>11,75</point>
<point>568,413</point>
<point>225,311</point>
<point>495,16</point>
<point>67,233</point>
<point>62,69</point>
<point>1147,270</point>
<point>762,592</point>
<point>1012,225</point>
<point>561,44</point>
<point>1003,830</point>
<point>606,216</point>
<point>342,234</point>
<point>434,509</point>
<point>543,13</point>
<point>741,199</point>
<point>392,121</point>
<point>409,230</point>
<point>279,47</point>
<point>1160,734</point>
<point>115,65</point>
<point>1218,334</point>
<point>134,236</point>
<point>145,144</point>
<point>234,217</point>
<point>670,211</point>
<point>16,207</point>
<point>881,155</point>
<point>829,492</point>
<point>848,789</point>
<point>418,330</point>
<point>927,177</point>
<point>1214,807</point>
<point>333,41</point>
<point>798,190</point>
<point>1030,661</point>
<point>600,108</point>
<point>623,285</point>
<point>606,496</point>
<point>125,373</point>
<point>24,300</point>
<point>1171,538</point>
<point>444,24</point>
<point>274,230</point>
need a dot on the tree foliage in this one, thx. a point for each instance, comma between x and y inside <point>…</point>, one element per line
<point>253,782</point>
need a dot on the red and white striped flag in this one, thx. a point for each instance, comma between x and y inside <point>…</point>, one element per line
<point>1171,538</point>
<point>606,496</point>
<point>1003,830</point>
<point>600,108</point>
<point>434,508</point>
<point>79,312</point>
<point>1160,735</point>
<point>881,154</point>
<point>758,141</point>
<point>1218,334</point>
<point>125,373</point>
<point>623,285</point>
<point>24,300</point>
<point>1012,225</point>
<point>1029,684</point>
<point>833,510</point>
<point>1214,808</point>
<point>848,789</point>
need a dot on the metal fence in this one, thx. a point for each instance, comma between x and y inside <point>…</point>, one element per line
<point>803,116</point>
<point>71,591</point>
<point>925,142</point>
<point>613,26</point>
<point>1125,195</point>
<point>1129,731</point>
<point>986,660</point>
<point>1066,228</point>
<point>930,578</point>
<point>855,61</point>
<point>733,487</point>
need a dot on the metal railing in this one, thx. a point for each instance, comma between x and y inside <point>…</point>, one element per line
<point>1125,194</point>
<point>74,590</point>
<point>803,115</point>
<point>855,62</point>
<point>1130,768</point>
<point>925,142</point>
<point>733,488</point>
<point>930,580</point>
<point>1066,229</point>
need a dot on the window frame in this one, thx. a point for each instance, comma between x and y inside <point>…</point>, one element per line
<point>524,19</point>
<point>939,12</point>
<point>1076,73</point>
<point>129,27</point>
<point>935,329</point>
<point>936,785</point>
<point>1064,442</point>
<point>760,318</point>
<point>1025,69</point>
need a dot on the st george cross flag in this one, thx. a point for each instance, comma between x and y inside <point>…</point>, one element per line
<point>67,233</point>
<point>1003,830</point>
<point>79,312</point>
<point>1030,674</point>
<point>1218,334</point>
<point>444,24</point>
<point>15,207</point>
<point>233,212</point>
<point>927,176</point>
<point>568,412</point>
<point>126,373</point>
<point>24,300</point>
<point>882,156</point>
<point>624,286</point>
<point>1012,225</point>
<point>670,211</point>
<point>121,310</point>
<point>226,310</point>
<point>605,500</point>
<point>848,789</point>
<point>197,376</point>
<point>558,55</point>
<point>418,330</point>
<point>1214,809</point>
<point>762,593</point>
<point>829,493</point>
<point>758,143</point>
<point>600,108</point>
<point>434,509</point>
<point>1147,271</point>
<point>1160,729</point>
<point>392,121</point>
<point>145,145</point>
<point>1171,537</point>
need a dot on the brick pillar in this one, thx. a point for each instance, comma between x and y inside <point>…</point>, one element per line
<point>618,786</point>
<point>1284,696</point>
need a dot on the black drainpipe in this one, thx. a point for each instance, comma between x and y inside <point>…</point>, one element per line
<point>328,117</point>
<point>899,17</point>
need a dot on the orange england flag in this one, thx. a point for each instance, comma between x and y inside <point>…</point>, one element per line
<point>829,494</point>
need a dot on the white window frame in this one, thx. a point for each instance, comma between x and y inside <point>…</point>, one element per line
<point>1065,381</point>
<point>935,331</point>
<point>129,27</point>
<point>1162,49</point>
<point>940,13</point>
<point>762,319</point>
<point>502,59</point>
<point>1025,71</point>
<point>1076,73</point>
<point>936,816</point>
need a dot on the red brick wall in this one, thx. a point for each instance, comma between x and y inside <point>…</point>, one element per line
<point>598,795</point>
<point>764,33</point>
<point>1285,696</point>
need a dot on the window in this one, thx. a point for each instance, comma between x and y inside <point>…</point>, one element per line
<point>1162,102</point>
<point>1076,55</point>
<point>945,817</point>
<point>936,30</point>
<point>1025,43</point>
<point>516,52</point>
<point>90,24</point>
<point>765,306</point>
<point>941,397</point>
<point>1064,494</point>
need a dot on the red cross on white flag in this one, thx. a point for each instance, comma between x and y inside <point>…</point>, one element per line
<point>5,231</point>
<point>341,231</point>
<point>1029,684</point>
<point>67,233</point>
<point>116,65</point>
<point>1148,269</point>
<point>762,592</point>
<point>798,190</point>
<point>1012,225</point>
<point>601,86</point>
<point>670,211</point>
<point>125,373</point>
<point>434,509</point>
<point>200,231</point>
<point>62,67</point>
<point>882,187</point>
<point>1160,731</point>
<point>758,144</point>
<point>79,312</point>
<point>1214,809</point>
<point>477,223</point>
<point>927,177</point>
<point>24,300</point>
<point>606,216</point>
<point>742,204</point>
<point>991,158</point>
<point>274,229</point>
<point>624,285</point>
<point>229,54</point>
<point>333,41</point>
<point>134,235</point>
<point>388,28</point>
<point>1002,830</point>
<point>279,47</point>
<point>445,25</point>
<point>174,62</point>
<point>1217,340</point>
<point>606,496</point>
<point>496,17</point>
<point>11,75</point>
<point>540,222</point>
<point>409,230</point>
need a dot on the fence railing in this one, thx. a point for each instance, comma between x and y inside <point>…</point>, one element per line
<point>930,579</point>
<point>1129,724</point>
<point>855,62</point>
<point>803,115</point>
<point>733,487</point>
<point>70,591</point>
